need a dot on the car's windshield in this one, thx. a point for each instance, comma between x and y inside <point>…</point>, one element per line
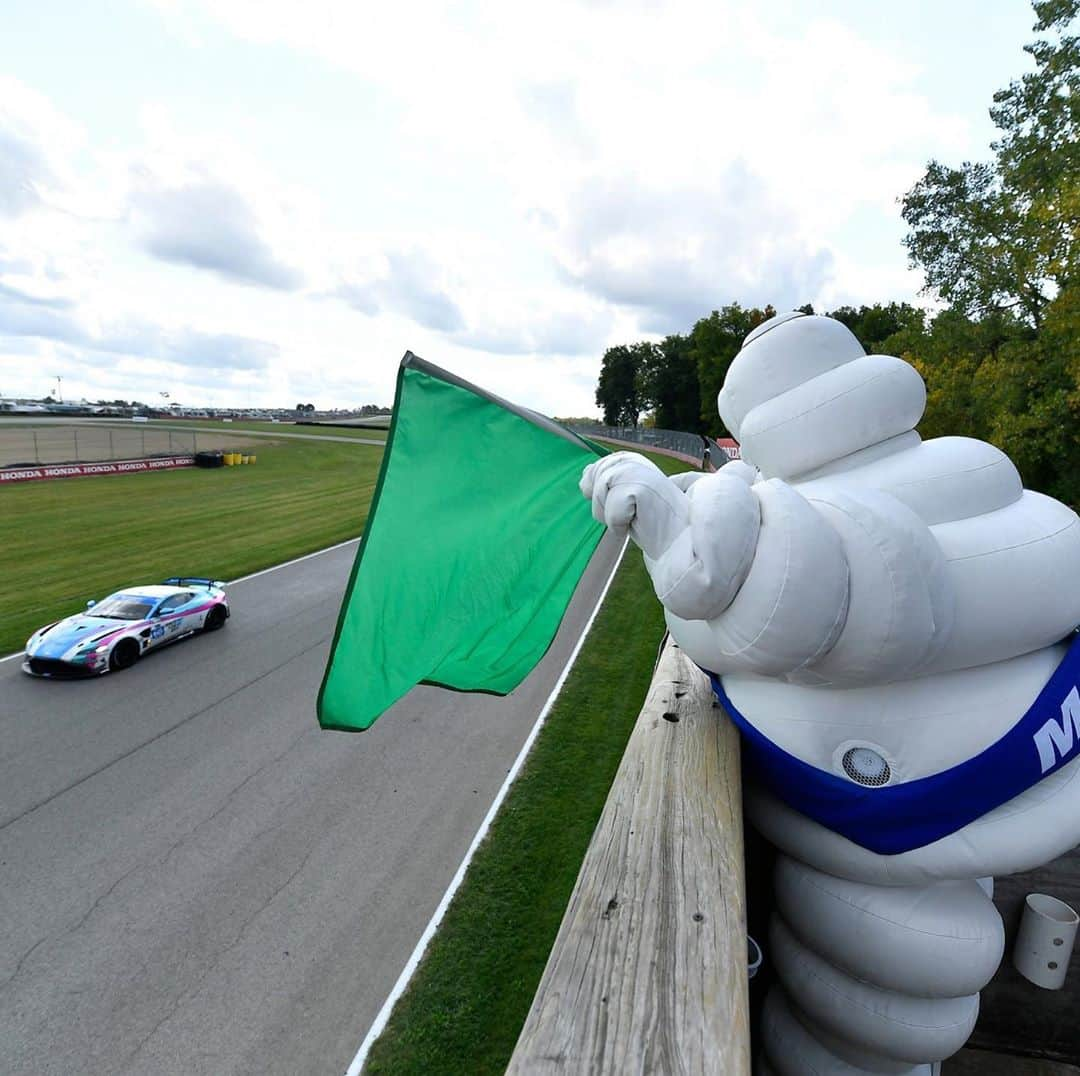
<point>124,607</point>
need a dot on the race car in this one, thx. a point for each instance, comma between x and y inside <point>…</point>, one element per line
<point>112,634</point>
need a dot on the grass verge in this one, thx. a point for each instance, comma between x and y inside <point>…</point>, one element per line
<point>65,541</point>
<point>466,1004</point>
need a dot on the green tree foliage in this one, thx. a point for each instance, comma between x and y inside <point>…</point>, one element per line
<point>998,240</point>
<point>618,391</point>
<point>873,325</point>
<point>1003,235</point>
<point>668,385</point>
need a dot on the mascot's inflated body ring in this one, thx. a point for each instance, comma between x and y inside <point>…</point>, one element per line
<point>890,622</point>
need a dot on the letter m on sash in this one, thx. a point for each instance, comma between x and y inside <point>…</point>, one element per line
<point>1056,741</point>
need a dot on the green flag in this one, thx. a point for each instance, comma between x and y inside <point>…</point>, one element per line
<point>477,537</point>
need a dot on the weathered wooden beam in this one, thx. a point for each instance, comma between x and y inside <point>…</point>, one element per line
<point>648,972</point>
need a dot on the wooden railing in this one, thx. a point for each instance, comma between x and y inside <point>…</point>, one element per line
<point>648,973</point>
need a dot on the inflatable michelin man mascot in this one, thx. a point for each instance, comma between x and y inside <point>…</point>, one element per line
<point>890,623</point>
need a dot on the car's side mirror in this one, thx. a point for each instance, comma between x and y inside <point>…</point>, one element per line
<point>91,603</point>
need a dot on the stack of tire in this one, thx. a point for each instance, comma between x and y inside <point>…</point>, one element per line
<point>209,459</point>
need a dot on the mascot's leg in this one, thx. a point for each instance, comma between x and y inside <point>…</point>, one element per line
<point>874,979</point>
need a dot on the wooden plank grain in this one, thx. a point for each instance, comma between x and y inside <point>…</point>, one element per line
<point>648,972</point>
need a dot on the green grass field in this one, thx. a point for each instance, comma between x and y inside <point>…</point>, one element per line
<point>466,1004</point>
<point>66,541</point>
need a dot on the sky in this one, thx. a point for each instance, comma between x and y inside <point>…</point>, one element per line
<point>261,203</point>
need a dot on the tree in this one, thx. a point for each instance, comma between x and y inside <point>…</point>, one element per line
<point>999,241</point>
<point>873,325</point>
<point>618,391</point>
<point>668,384</point>
<point>1003,235</point>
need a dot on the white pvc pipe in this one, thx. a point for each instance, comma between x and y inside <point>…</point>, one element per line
<point>1045,941</point>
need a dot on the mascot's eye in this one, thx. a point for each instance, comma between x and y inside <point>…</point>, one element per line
<point>866,767</point>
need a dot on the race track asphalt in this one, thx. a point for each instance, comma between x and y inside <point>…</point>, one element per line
<point>194,879</point>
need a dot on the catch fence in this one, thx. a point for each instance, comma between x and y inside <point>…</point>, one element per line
<point>43,444</point>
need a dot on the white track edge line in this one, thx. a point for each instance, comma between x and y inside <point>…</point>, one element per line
<point>245,578</point>
<point>409,970</point>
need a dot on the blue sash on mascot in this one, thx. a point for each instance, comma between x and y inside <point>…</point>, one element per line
<point>897,818</point>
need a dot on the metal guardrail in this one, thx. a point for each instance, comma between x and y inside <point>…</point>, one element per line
<point>690,446</point>
<point>686,444</point>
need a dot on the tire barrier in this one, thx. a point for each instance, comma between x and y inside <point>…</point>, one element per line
<point>223,459</point>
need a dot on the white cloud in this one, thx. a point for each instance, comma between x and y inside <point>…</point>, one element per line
<point>58,319</point>
<point>537,182</point>
<point>651,107</point>
<point>35,139</point>
<point>676,253</point>
<point>208,225</point>
<point>412,288</point>
<point>508,321</point>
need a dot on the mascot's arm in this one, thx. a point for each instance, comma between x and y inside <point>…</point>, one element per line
<point>759,579</point>
<point>698,544</point>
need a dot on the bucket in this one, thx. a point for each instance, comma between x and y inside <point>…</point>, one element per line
<point>251,459</point>
<point>1045,940</point>
<point>229,461</point>
<point>753,957</point>
<point>245,459</point>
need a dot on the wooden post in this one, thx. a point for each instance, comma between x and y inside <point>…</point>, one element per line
<point>648,973</point>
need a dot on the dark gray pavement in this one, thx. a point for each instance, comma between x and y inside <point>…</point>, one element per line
<point>195,879</point>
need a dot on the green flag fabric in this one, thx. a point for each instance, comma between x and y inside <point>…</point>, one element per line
<point>475,542</point>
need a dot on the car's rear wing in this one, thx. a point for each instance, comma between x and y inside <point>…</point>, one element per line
<point>193,581</point>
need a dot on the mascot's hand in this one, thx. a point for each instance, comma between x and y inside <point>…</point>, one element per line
<point>628,491</point>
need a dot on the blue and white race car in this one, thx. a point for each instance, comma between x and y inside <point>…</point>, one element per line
<point>113,633</point>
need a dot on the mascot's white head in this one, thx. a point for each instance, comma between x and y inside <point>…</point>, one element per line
<point>802,392</point>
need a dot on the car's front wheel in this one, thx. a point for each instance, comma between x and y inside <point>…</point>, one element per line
<point>215,619</point>
<point>124,655</point>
